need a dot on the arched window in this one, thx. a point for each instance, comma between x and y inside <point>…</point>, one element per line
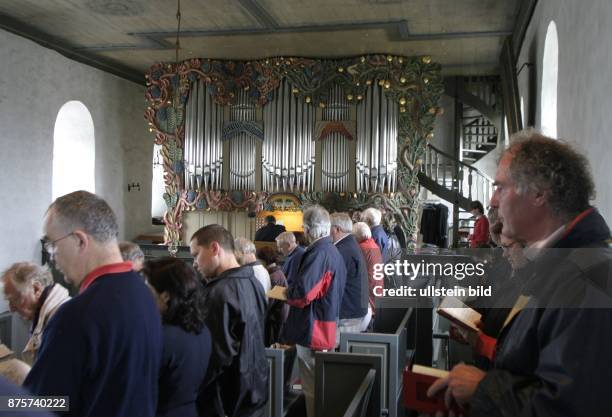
<point>74,150</point>
<point>523,116</point>
<point>506,133</point>
<point>550,72</point>
<point>158,205</point>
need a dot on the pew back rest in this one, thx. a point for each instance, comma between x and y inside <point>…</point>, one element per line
<point>338,377</point>
<point>392,349</point>
<point>276,382</point>
<point>359,405</point>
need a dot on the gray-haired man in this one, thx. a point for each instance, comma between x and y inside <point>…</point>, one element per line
<point>102,348</point>
<point>31,292</point>
<point>355,313</point>
<point>314,296</point>
<point>548,358</point>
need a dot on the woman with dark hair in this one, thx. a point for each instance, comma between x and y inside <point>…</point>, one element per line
<point>480,237</point>
<point>277,310</point>
<point>187,341</point>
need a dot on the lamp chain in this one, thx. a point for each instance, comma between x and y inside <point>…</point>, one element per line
<point>178,31</point>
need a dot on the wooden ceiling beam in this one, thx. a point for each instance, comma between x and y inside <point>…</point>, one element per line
<point>70,51</point>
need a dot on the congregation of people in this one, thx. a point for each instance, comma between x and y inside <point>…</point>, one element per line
<point>183,340</point>
<point>163,338</point>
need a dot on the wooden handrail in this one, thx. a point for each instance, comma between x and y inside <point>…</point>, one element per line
<point>452,158</point>
<point>473,186</point>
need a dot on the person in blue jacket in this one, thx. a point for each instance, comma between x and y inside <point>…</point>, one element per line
<point>373,217</point>
<point>314,296</point>
<point>102,348</point>
<point>354,313</point>
<point>187,342</point>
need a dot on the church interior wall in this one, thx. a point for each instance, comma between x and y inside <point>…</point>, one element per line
<point>34,84</point>
<point>584,92</point>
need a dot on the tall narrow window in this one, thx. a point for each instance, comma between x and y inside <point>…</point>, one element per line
<point>523,117</point>
<point>506,133</point>
<point>550,72</point>
<point>74,150</point>
<point>158,206</point>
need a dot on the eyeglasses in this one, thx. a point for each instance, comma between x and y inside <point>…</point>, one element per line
<point>50,245</point>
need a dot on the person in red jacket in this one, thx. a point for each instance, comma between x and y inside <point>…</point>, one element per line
<point>480,237</point>
<point>371,253</point>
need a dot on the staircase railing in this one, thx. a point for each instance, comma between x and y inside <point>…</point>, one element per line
<point>481,116</point>
<point>456,177</point>
<point>486,88</point>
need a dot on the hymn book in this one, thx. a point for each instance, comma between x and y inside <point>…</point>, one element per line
<point>4,351</point>
<point>459,313</point>
<point>417,381</point>
<point>278,293</point>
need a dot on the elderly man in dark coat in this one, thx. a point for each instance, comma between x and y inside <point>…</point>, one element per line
<point>548,360</point>
<point>354,312</point>
<point>314,296</point>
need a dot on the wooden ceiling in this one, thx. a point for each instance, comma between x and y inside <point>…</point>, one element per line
<point>126,37</point>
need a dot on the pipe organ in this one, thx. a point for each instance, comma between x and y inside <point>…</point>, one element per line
<point>203,146</point>
<point>334,147</point>
<point>242,145</point>
<point>288,151</point>
<point>376,159</point>
<point>291,128</point>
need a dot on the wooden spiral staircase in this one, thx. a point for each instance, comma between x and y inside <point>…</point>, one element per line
<point>478,124</point>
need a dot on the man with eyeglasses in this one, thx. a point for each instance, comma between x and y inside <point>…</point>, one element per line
<point>102,349</point>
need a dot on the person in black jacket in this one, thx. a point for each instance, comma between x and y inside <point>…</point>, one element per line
<point>270,231</point>
<point>551,357</point>
<point>236,382</point>
<point>508,275</point>
<point>187,343</point>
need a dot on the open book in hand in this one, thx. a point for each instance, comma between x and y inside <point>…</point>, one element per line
<point>5,351</point>
<point>278,293</point>
<point>417,380</point>
<point>459,313</point>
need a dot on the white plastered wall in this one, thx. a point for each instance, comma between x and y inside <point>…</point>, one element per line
<point>34,84</point>
<point>584,94</point>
